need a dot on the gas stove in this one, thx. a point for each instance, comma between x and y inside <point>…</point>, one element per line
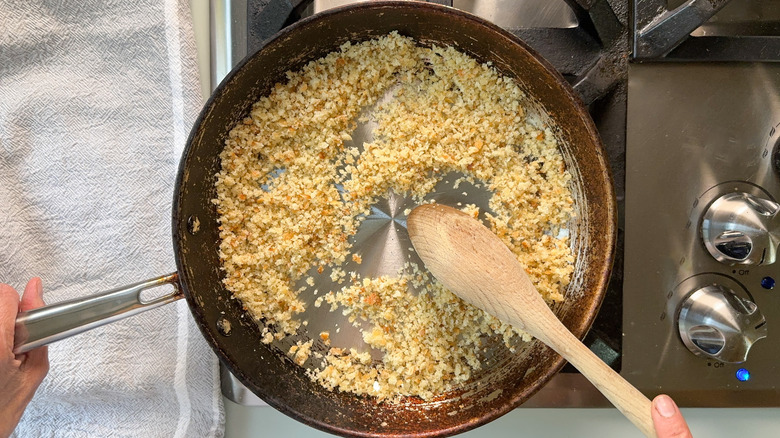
<point>686,97</point>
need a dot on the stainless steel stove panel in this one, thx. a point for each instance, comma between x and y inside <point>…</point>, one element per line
<point>696,131</point>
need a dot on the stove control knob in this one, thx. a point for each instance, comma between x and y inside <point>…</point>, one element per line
<point>739,228</point>
<point>716,323</point>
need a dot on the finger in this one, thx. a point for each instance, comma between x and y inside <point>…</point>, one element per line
<point>36,361</point>
<point>32,297</point>
<point>36,364</point>
<point>9,306</point>
<point>668,420</point>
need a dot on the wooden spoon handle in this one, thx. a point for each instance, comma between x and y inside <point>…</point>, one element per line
<point>546,327</point>
<point>626,398</point>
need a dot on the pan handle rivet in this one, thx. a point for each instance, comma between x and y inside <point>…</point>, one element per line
<point>193,225</point>
<point>223,326</point>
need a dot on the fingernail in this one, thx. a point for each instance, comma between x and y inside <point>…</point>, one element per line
<point>38,286</point>
<point>665,406</point>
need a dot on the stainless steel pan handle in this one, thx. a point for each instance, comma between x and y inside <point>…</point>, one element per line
<point>49,324</point>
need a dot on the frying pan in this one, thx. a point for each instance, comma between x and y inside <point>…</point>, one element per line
<point>234,335</point>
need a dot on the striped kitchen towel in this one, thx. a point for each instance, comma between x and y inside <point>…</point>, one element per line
<point>96,101</point>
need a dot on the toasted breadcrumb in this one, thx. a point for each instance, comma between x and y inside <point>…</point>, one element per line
<point>290,195</point>
<point>300,351</point>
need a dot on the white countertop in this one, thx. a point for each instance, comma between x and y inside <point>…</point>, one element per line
<point>244,422</point>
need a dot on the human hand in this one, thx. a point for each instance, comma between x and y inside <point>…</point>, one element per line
<point>668,420</point>
<point>20,375</point>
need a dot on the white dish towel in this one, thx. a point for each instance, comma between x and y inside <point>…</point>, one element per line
<point>97,98</point>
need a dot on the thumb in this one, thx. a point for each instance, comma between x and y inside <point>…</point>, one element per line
<point>32,297</point>
<point>668,420</point>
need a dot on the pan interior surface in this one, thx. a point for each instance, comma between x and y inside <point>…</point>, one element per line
<point>509,379</point>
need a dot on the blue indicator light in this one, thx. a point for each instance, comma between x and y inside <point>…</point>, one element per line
<point>768,283</point>
<point>743,375</point>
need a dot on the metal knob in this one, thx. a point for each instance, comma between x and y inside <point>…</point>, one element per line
<point>739,228</point>
<point>716,323</point>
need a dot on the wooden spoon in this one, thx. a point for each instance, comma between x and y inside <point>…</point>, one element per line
<point>475,264</point>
